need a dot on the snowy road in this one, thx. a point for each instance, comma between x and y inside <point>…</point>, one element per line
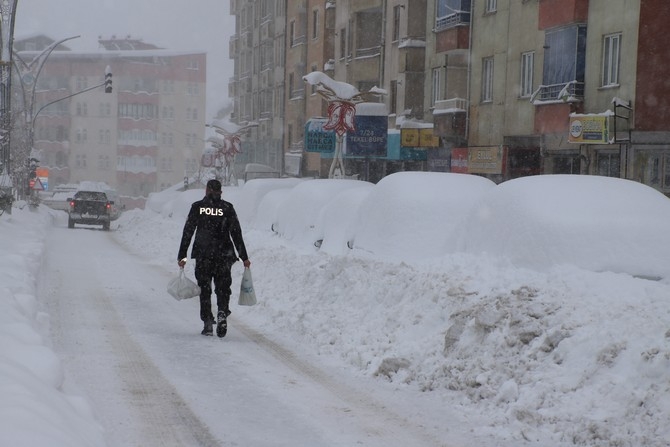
<point>139,359</point>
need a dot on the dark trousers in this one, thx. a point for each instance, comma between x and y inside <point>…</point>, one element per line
<point>217,270</point>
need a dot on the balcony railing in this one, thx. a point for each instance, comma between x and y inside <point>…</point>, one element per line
<point>452,20</point>
<point>451,105</point>
<point>572,91</point>
<point>367,52</point>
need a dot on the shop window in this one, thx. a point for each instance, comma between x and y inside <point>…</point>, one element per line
<point>609,164</point>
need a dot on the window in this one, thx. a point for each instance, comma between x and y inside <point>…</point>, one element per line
<point>611,56</point>
<point>315,24</point>
<point>487,80</point>
<point>394,97</point>
<point>436,94</point>
<point>105,109</point>
<point>564,61</point>
<point>290,85</point>
<point>82,109</point>
<point>609,164</point>
<point>491,6</point>
<point>396,24</point>
<point>343,43</point>
<point>291,33</point>
<point>80,161</point>
<point>82,82</point>
<point>527,67</point>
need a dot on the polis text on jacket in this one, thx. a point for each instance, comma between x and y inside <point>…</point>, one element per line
<point>211,211</point>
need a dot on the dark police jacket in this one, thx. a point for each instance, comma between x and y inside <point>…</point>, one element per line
<point>217,232</point>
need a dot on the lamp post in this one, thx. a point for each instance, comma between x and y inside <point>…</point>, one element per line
<point>7,13</point>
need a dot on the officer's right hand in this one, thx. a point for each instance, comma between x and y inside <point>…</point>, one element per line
<point>182,262</point>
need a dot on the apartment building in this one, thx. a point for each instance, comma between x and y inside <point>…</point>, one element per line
<point>144,136</point>
<point>507,88</point>
<point>542,72</point>
<point>258,51</point>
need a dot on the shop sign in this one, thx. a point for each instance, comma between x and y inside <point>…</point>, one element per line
<point>317,139</point>
<point>418,137</point>
<point>427,139</point>
<point>589,129</point>
<point>409,137</point>
<point>370,138</point>
<point>459,160</point>
<point>485,160</point>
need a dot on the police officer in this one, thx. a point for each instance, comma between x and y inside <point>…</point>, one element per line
<point>217,236</point>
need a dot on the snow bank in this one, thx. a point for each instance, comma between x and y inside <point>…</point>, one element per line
<point>597,223</point>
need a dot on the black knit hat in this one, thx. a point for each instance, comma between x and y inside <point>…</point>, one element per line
<point>214,185</point>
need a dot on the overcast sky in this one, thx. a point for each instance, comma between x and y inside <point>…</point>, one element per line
<point>201,25</point>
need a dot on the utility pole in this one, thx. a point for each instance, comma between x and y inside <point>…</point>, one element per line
<point>7,13</point>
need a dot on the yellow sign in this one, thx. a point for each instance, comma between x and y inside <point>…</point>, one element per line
<point>485,160</point>
<point>589,129</point>
<point>427,139</point>
<point>409,137</point>
<point>418,137</point>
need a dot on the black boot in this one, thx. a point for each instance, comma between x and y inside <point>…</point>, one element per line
<point>222,324</point>
<point>207,330</point>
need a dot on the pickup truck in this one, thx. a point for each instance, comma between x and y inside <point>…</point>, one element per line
<point>90,208</point>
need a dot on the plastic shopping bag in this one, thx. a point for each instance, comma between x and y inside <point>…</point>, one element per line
<point>182,288</point>
<point>247,292</point>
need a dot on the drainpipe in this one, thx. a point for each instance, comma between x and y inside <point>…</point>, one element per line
<point>469,71</point>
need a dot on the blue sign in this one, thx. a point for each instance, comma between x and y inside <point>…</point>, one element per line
<point>370,137</point>
<point>316,138</point>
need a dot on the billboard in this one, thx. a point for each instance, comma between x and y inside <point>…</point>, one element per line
<point>371,135</point>
<point>589,129</point>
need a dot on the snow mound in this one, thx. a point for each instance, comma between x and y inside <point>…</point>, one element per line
<point>417,214</point>
<point>597,223</point>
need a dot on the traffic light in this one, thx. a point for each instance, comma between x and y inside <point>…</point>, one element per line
<point>108,80</point>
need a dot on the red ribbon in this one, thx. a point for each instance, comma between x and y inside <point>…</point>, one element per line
<point>341,117</point>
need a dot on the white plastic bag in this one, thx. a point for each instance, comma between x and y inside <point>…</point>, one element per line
<point>182,288</point>
<point>247,292</point>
